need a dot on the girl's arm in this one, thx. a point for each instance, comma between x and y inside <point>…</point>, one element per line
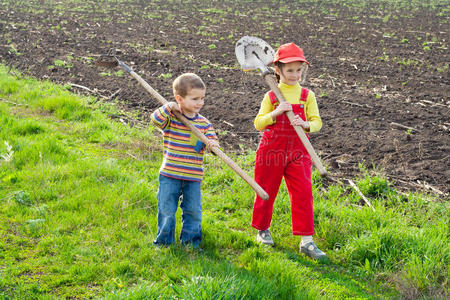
<point>267,114</point>
<point>312,113</point>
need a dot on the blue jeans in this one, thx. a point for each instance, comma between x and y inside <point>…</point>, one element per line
<point>170,191</point>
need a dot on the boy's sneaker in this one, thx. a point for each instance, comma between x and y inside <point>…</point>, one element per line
<point>312,251</point>
<point>192,247</point>
<point>264,237</point>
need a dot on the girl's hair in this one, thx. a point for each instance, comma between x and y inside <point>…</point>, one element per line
<point>186,82</point>
<point>280,65</point>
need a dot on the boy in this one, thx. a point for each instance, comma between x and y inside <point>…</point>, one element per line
<point>182,168</point>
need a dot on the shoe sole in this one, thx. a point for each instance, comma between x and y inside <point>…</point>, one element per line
<point>259,240</point>
<point>315,258</point>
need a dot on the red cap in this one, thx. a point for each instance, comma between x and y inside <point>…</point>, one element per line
<point>289,53</point>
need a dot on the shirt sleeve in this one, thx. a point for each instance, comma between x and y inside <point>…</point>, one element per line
<point>312,113</point>
<point>263,118</point>
<point>161,116</point>
<point>210,133</point>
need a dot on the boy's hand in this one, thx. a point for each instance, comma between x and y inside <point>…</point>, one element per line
<point>173,106</point>
<point>211,144</point>
<point>299,122</point>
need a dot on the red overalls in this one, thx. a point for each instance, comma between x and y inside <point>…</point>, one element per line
<point>281,153</point>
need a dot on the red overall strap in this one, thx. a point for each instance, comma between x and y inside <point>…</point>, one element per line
<point>304,94</point>
<point>273,98</point>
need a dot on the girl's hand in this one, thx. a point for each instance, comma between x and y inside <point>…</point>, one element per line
<point>173,106</point>
<point>282,108</point>
<point>299,122</point>
<point>211,144</point>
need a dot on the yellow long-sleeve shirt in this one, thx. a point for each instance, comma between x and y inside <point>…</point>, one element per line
<point>292,95</point>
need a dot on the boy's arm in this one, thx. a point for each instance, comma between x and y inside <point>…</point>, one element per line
<point>312,113</point>
<point>212,138</point>
<point>264,118</point>
<point>161,116</point>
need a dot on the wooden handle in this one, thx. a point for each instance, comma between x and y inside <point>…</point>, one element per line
<point>312,153</point>
<point>258,189</point>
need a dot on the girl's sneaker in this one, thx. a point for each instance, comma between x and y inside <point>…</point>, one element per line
<point>264,237</point>
<point>312,251</point>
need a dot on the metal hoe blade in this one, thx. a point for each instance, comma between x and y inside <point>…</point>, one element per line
<point>254,53</point>
<point>110,60</point>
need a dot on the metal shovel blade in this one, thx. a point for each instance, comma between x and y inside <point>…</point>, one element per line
<point>253,53</point>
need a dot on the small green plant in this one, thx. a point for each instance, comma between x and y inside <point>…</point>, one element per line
<point>165,76</point>
<point>89,60</point>
<point>105,74</point>
<point>13,50</point>
<point>59,63</point>
<point>152,16</point>
<point>223,133</point>
<point>385,57</point>
<point>220,80</point>
<point>62,63</point>
<point>406,62</point>
<point>443,69</point>
<point>119,73</point>
<point>212,46</point>
<point>23,198</point>
<point>56,27</point>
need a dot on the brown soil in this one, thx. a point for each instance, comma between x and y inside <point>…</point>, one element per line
<point>373,67</point>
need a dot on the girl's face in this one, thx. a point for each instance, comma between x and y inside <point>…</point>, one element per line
<point>290,73</point>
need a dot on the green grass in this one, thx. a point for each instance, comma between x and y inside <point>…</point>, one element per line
<point>78,216</point>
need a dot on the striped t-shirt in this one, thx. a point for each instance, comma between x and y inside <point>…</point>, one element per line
<point>183,151</point>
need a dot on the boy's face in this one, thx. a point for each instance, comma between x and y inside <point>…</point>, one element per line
<point>192,103</point>
<point>290,73</point>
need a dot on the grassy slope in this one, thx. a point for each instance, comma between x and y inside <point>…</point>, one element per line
<point>78,216</point>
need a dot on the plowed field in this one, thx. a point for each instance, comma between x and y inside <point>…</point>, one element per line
<point>379,69</point>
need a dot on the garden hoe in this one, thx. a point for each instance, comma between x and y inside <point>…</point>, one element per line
<point>253,53</point>
<point>110,60</point>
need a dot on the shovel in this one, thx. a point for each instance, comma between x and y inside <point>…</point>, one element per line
<point>253,53</point>
<point>110,60</point>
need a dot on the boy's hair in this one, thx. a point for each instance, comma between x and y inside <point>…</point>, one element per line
<point>186,82</point>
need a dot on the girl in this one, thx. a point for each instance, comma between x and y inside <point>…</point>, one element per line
<point>281,153</point>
